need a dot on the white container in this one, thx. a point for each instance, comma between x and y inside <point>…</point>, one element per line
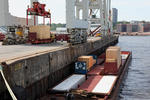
<point>105,85</point>
<point>124,56</point>
<point>70,83</point>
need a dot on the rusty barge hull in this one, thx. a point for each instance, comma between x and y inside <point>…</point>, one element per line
<point>36,72</point>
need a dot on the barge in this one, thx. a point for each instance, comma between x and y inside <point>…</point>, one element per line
<point>33,69</point>
<point>101,82</point>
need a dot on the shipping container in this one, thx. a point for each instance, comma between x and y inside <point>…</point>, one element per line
<point>81,68</point>
<point>94,59</point>
<point>88,60</point>
<point>71,82</point>
<point>42,31</point>
<point>100,85</point>
<point>113,54</point>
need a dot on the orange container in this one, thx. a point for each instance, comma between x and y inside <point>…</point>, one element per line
<point>94,62</point>
<point>88,60</point>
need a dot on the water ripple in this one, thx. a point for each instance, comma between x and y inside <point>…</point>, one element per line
<point>136,86</point>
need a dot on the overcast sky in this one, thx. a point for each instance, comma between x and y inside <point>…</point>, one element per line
<point>128,9</point>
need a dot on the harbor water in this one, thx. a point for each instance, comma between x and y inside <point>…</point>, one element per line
<point>136,85</point>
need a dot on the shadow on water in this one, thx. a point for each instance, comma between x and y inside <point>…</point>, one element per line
<point>136,85</point>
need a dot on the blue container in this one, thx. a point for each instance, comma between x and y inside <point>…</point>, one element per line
<point>94,57</point>
<point>81,68</point>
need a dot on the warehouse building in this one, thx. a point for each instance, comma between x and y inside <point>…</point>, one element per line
<point>134,27</point>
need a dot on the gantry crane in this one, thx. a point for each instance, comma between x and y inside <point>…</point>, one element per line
<point>81,14</point>
<point>38,10</point>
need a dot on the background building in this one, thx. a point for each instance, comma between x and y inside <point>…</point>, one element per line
<point>137,26</point>
<point>114,16</point>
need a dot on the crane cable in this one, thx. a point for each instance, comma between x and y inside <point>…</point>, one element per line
<point>7,85</point>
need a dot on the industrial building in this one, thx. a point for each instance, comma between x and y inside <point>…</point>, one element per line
<point>134,27</point>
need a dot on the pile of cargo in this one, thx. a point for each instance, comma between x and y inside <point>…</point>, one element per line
<point>113,58</point>
<point>113,54</point>
<point>42,31</point>
<point>94,76</point>
<point>40,34</point>
<point>84,64</point>
<point>15,35</point>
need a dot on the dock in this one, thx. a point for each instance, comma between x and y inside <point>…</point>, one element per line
<point>36,68</point>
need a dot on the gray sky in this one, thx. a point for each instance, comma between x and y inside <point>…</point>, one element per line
<point>128,9</point>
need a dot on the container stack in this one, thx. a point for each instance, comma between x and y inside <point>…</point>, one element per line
<point>113,54</point>
<point>94,59</point>
<point>88,59</point>
<point>85,64</point>
<point>113,61</point>
<point>42,31</point>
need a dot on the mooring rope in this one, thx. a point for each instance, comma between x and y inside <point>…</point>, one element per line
<point>7,85</point>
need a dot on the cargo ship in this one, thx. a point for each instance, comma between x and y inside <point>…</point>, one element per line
<point>94,78</point>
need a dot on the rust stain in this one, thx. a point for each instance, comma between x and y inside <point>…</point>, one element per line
<point>18,66</point>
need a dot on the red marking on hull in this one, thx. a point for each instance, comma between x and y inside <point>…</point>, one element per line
<point>98,70</point>
<point>90,84</point>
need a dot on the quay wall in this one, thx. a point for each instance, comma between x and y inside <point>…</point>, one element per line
<point>35,75</point>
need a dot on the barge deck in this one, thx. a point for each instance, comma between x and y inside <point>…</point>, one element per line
<point>36,68</point>
<point>97,86</point>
